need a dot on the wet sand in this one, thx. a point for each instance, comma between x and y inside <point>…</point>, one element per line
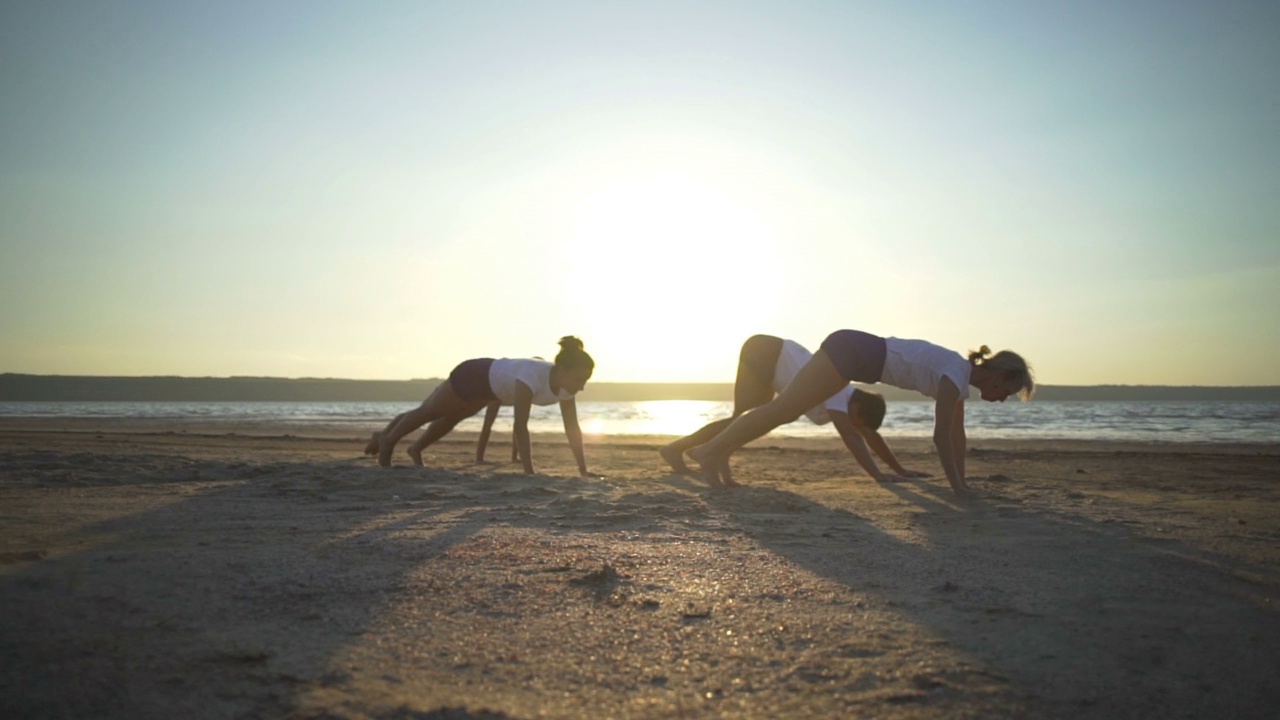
<point>153,571</point>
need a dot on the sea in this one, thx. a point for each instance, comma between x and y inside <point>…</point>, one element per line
<point>1146,421</point>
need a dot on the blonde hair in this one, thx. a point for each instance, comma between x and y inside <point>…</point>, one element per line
<point>1009,364</point>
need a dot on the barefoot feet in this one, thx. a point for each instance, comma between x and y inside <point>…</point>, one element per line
<point>726,476</point>
<point>384,452</point>
<point>708,468</point>
<point>674,458</point>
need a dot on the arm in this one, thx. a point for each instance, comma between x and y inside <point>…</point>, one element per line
<point>876,442</point>
<point>948,435</point>
<point>524,402</point>
<point>490,414</point>
<point>853,440</point>
<point>569,412</point>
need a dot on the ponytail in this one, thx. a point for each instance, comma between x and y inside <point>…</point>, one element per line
<point>977,356</point>
<point>1009,364</point>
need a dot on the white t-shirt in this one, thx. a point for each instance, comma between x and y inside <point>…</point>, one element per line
<point>790,360</point>
<point>920,366</point>
<point>536,374</point>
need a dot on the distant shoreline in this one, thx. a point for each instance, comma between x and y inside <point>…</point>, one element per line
<point>16,387</point>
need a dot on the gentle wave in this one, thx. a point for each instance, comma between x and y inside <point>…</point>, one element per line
<point>1216,422</point>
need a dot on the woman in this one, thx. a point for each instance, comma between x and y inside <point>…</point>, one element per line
<point>767,365</point>
<point>854,356</point>
<point>474,384</point>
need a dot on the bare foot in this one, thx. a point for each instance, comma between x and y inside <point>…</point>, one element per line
<point>384,452</point>
<point>371,447</point>
<point>726,476</point>
<point>707,469</point>
<point>416,454</point>
<point>675,459</point>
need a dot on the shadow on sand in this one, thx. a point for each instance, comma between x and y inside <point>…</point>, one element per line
<point>237,597</point>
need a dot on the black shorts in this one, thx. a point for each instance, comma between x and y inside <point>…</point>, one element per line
<point>470,380</point>
<point>858,356</point>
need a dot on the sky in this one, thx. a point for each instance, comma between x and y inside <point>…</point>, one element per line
<point>380,190</point>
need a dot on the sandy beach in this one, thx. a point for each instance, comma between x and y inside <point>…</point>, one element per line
<point>159,572</point>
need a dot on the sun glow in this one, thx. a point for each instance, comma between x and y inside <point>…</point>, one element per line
<point>657,417</point>
<point>677,417</point>
<point>672,264</point>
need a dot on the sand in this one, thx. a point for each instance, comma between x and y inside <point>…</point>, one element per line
<point>161,572</point>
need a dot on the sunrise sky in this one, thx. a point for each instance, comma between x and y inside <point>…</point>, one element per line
<point>384,189</point>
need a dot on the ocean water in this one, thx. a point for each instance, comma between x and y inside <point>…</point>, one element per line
<point>1164,421</point>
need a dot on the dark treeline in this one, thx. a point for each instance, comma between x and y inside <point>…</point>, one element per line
<point>15,387</point>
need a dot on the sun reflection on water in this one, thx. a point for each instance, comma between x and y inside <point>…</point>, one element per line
<point>657,417</point>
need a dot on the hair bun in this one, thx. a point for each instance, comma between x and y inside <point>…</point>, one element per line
<point>570,342</point>
<point>977,357</point>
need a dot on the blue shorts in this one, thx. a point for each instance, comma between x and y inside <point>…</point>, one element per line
<point>470,380</point>
<point>858,356</point>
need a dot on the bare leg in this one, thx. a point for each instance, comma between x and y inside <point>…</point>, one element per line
<point>438,429</point>
<point>442,402</point>
<point>726,476</point>
<point>673,452</point>
<point>816,381</point>
<point>408,422</point>
<point>752,388</point>
<point>371,447</point>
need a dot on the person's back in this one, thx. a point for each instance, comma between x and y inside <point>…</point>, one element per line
<point>920,365</point>
<point>536,374</point>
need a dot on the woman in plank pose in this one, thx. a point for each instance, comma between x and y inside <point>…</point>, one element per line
<point>475,384</point>
<point>767,365</point>
<point>854,356</point>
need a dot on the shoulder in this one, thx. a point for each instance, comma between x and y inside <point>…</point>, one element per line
<point>532,369</point>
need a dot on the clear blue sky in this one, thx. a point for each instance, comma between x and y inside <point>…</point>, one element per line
<point>381,190</point>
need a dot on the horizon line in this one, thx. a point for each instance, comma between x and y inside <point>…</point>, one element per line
<point>598,382</point>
